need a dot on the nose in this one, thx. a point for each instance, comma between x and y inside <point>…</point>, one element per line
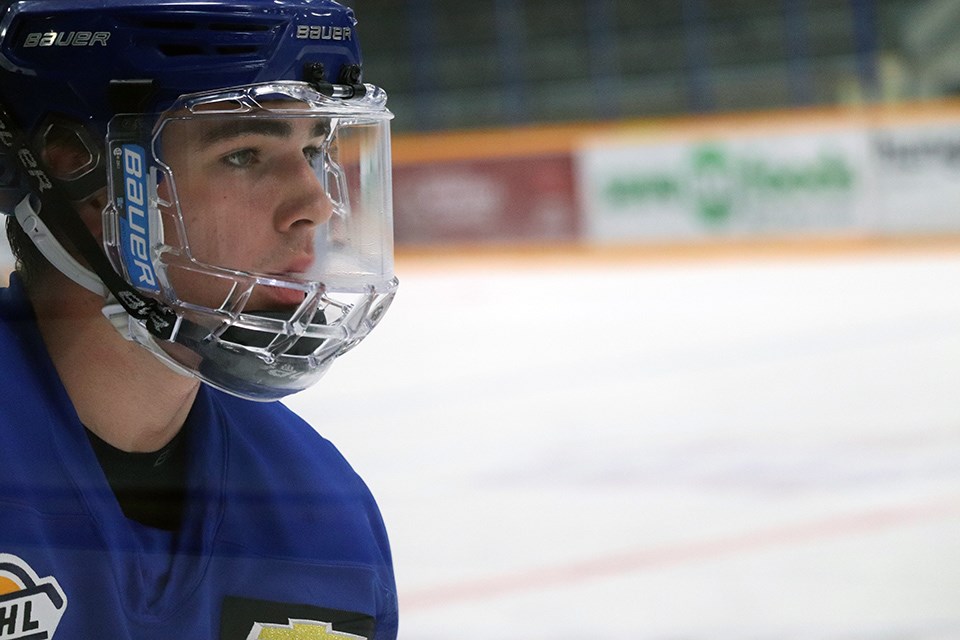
<point>303,200</point>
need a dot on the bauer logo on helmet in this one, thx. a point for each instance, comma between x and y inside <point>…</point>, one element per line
<point>67,39</point>
<point>316,32</point>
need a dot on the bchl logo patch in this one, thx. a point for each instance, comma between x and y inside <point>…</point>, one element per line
<point>30,607</point>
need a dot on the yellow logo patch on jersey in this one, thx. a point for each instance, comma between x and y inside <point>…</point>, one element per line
<point>299,630</point>
<point>253,619</point>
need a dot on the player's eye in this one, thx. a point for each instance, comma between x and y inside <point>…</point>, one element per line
<point>241,158</point>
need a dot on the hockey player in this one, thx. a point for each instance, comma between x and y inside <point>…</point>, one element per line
<point>199,201</point>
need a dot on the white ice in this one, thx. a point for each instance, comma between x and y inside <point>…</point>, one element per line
<point>756,449</point>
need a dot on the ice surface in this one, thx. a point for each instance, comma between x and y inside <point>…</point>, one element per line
<point>764,449</point>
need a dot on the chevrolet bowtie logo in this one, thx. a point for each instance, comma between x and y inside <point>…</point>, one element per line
<point>299,630</point>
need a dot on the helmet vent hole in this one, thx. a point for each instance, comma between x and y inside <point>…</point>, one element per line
<point>236,50</point>
<point>175,50</point>
<point>240,28</point>
<point>178,25</point>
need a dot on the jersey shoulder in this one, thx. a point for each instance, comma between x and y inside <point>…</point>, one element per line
<point>282,473</point>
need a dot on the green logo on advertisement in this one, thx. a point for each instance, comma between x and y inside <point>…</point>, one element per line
<point>713,184</point>
<point>721,182</point>
<point>825,173</point>
<point>630,190</point>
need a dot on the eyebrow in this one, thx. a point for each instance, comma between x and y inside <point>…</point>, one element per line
<point>256,126</point>
<point>245,126</point>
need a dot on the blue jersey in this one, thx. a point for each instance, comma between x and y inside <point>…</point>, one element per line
<point>279,536</point>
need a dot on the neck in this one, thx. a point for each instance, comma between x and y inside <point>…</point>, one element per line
<point>121,392</point>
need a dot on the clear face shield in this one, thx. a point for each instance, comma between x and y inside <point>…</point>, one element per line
<point>263,216</point>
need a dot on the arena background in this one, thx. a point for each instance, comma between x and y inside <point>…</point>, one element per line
<point>676,346</point>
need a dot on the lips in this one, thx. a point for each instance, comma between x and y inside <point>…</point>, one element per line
<point>293,270</point>
<point>278,297</point>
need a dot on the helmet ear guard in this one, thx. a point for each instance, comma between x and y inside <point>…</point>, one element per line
<point>234,344</point>
<point>47,207</point>
<point>73,160</point>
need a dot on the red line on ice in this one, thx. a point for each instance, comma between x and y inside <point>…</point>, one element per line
<point>673,555</point>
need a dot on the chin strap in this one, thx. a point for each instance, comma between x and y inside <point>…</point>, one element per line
<point>48,208</point>
<point>53,251</point>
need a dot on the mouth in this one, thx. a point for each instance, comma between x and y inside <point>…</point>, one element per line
<point>278,298</point>
<point>294,270</point>
<point>269,296</point>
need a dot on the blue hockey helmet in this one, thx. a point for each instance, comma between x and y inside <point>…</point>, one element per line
<point>154,99</point>
<point>67,61</point>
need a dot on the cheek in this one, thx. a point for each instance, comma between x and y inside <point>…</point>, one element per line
<point>225,224</point>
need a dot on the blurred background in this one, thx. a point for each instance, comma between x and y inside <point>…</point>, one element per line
<point>676,346</point>
<point>477,64</point>
<point>675,350</point>
<point>590,121</point>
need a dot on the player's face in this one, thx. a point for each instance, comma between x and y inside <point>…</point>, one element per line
<point>250,199</point>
